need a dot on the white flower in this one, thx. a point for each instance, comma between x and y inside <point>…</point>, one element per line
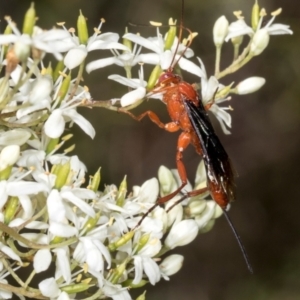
<point>49,288</point>
<point>161,56</point>
<point>97,41</point>
<point>42,260</point>
<point>46,41</point>
<point>149,266</point>
<point>239,27</point>
<point>139,86</point>
<point>16,136</point>
<point>55,124</point>
<point>8,156</point>
<point>127,59</point>
<point>220,30</point>
<point>93,252</point>
<point>182,234</point>
<point>171,265</point>
<point>250,85</point>
<point>63,264</point>
<point>209,87</point>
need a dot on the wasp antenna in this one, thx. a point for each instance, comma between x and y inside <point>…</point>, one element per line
<point>191,35</point>
<point>239,240</point>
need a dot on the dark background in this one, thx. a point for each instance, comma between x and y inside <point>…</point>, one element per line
<point>264,146</point>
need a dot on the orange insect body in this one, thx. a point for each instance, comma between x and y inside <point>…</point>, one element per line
<point>175,93</point>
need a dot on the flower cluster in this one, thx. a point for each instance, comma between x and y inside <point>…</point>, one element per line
<point>49,217</point>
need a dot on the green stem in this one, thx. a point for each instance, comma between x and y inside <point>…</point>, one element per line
<point>13,234</point>
<point>237,64</point>
<point>218,59</point>
<point>31,294</point>
<point>12,272</point>
<point>30,277</point>
<point>78,78</point>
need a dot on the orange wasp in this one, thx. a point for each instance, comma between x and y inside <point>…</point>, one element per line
<point>188,114</point>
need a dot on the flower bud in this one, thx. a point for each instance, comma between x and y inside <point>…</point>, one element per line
<point>255,15</point>
<point>82,29</point>
<point>220,30</point>
<point>29,20</point>
<point>94,186</point>
<point>166,180</point>
<point>129,283</point>
<point>196,207</point>
<point>51,145</point>
<point>126,42</point>
<point>171,264</point>
<point>207,214</point>
<point>122,193</point>
<point>10,209</point>
<point>175,215</point>
<point>182,234</point>
<point>8,156</point>
<point>250,85</point>
<point>121,241</point>
<point>76,288</point>
<point>259,42</point>
<point>62,173</point>
<point>133,96</point>
<point>142,242</point>
<point>170,35</point>
<point>142,296</point>
<point>153,77</point>
<point>59,68</point>
<point>64,88</point>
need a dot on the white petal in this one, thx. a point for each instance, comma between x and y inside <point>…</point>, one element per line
<point>133,83</point>
<point>63,263</point>
<point>81,204</point>
<point>100,63</point>
<point>18,188</point>
<point>83,123</point>
<point>104,250</point>
<point>149,58</point>
<point>222,116</point>
<point>49,288</point>
<point>42,260</point>
<point>62,230</point>
<point>8,156</point>
<point>133,96</point>
<point>15,136</point>
<point>138,267</point>
<point>55,125</point>
<point>151,269</point>
<point>41,89</point>
<point>142,41</point>
<point>9,252</point>
<point>75,57</point>
<point>250,85</point>
<point>182,234</point>
<point>275,29</point>
<point>190,67</point>
<point>149,191</point>
<point>171,264</point>
<point>27,206</point>
<point>55,206</point>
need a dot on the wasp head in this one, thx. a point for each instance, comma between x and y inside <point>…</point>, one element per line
<point>168,78</point>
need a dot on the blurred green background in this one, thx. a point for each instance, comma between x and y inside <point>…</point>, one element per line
<point>264,145</point>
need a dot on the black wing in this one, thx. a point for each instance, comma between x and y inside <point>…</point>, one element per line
<point>216,160</point>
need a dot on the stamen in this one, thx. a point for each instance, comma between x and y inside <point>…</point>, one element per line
<point>156,24</point>
<point>276,12</point>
